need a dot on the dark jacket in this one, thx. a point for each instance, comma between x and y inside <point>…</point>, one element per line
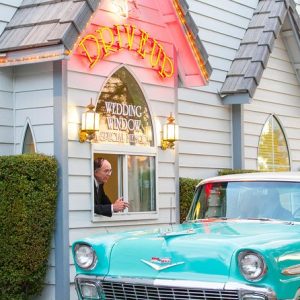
<point>102,204</point>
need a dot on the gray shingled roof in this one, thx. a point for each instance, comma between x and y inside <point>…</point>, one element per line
<point>254,52</point>
<point>40,23</point>
<point>54,26</point>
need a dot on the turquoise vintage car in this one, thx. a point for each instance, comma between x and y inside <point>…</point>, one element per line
<point>241,240</point>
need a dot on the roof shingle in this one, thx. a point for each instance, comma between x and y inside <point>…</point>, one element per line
<point>40,23</point>
<point>255,48</point>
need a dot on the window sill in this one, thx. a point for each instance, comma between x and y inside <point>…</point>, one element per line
<point>130,216</point>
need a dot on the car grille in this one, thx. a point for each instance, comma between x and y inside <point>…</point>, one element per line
<point>120,291</point>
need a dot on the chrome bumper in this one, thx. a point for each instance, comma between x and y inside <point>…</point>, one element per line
<point>137,288</point>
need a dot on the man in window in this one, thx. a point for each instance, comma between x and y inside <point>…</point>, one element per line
<point>102,204</point>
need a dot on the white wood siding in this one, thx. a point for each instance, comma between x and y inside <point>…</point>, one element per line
<point>34,102</point>
<point>6,112</point>
<point>205,123</point>
<point>278,93</point>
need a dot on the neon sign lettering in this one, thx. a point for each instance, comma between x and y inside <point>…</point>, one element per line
<point>107,41</point>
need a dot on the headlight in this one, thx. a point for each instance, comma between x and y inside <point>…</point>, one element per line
<point>85,256</point>
<point>252,265</point>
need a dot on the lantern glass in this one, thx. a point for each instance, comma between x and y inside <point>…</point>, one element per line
<point>169,133</point>
<point>176,131</point>
<point>90,121</point>
<point>170,130</point>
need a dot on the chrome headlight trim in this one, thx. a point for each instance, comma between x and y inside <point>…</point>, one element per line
<point>85,256</point>
<point>82,280</point>
<point>252,265</point>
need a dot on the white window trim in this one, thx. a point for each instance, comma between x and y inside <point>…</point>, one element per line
<point>126,150</point>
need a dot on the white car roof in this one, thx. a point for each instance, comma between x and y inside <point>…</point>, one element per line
<point>259,176</point>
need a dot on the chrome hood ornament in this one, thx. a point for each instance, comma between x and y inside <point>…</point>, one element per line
<point>159,264</point>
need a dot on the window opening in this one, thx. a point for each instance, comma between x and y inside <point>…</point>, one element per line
<point>139,187</point>
<point>273,154</point>
<point>28,142</point>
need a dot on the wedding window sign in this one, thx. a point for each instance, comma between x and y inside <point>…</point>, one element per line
<point>124,114</point>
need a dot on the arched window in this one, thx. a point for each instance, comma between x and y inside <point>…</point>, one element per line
<point>124,113</point>
<point>273,153</point>
<point>126,139</point>
<point>28,141</point>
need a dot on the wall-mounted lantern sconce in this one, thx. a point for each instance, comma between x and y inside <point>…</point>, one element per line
<point>120,7</point>
<point>169,134</point>
<point>89,124</point>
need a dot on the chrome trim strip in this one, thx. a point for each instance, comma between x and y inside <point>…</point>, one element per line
<point>189,284</point>
<point>292,270</point>
<point>186,284</point>
<point>248,288</point>
<point>145,281</point>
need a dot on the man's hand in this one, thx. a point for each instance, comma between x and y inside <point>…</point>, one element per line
<point>120,205</point>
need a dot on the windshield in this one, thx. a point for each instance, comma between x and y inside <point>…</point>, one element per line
<point>247,200</point>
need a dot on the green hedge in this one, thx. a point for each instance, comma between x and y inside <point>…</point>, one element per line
<point>28,193</point>
<point>235,171</point>
<point>186,192</point>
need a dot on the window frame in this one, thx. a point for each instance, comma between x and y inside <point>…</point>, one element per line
<point>269,118</point>
<point>126,150</point>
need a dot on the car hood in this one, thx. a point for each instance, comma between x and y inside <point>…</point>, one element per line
<point>197,250</point>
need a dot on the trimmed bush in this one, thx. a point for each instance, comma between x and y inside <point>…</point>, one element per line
<point>28,193</point>
<point>186,192</point>
<point>235,171</point>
